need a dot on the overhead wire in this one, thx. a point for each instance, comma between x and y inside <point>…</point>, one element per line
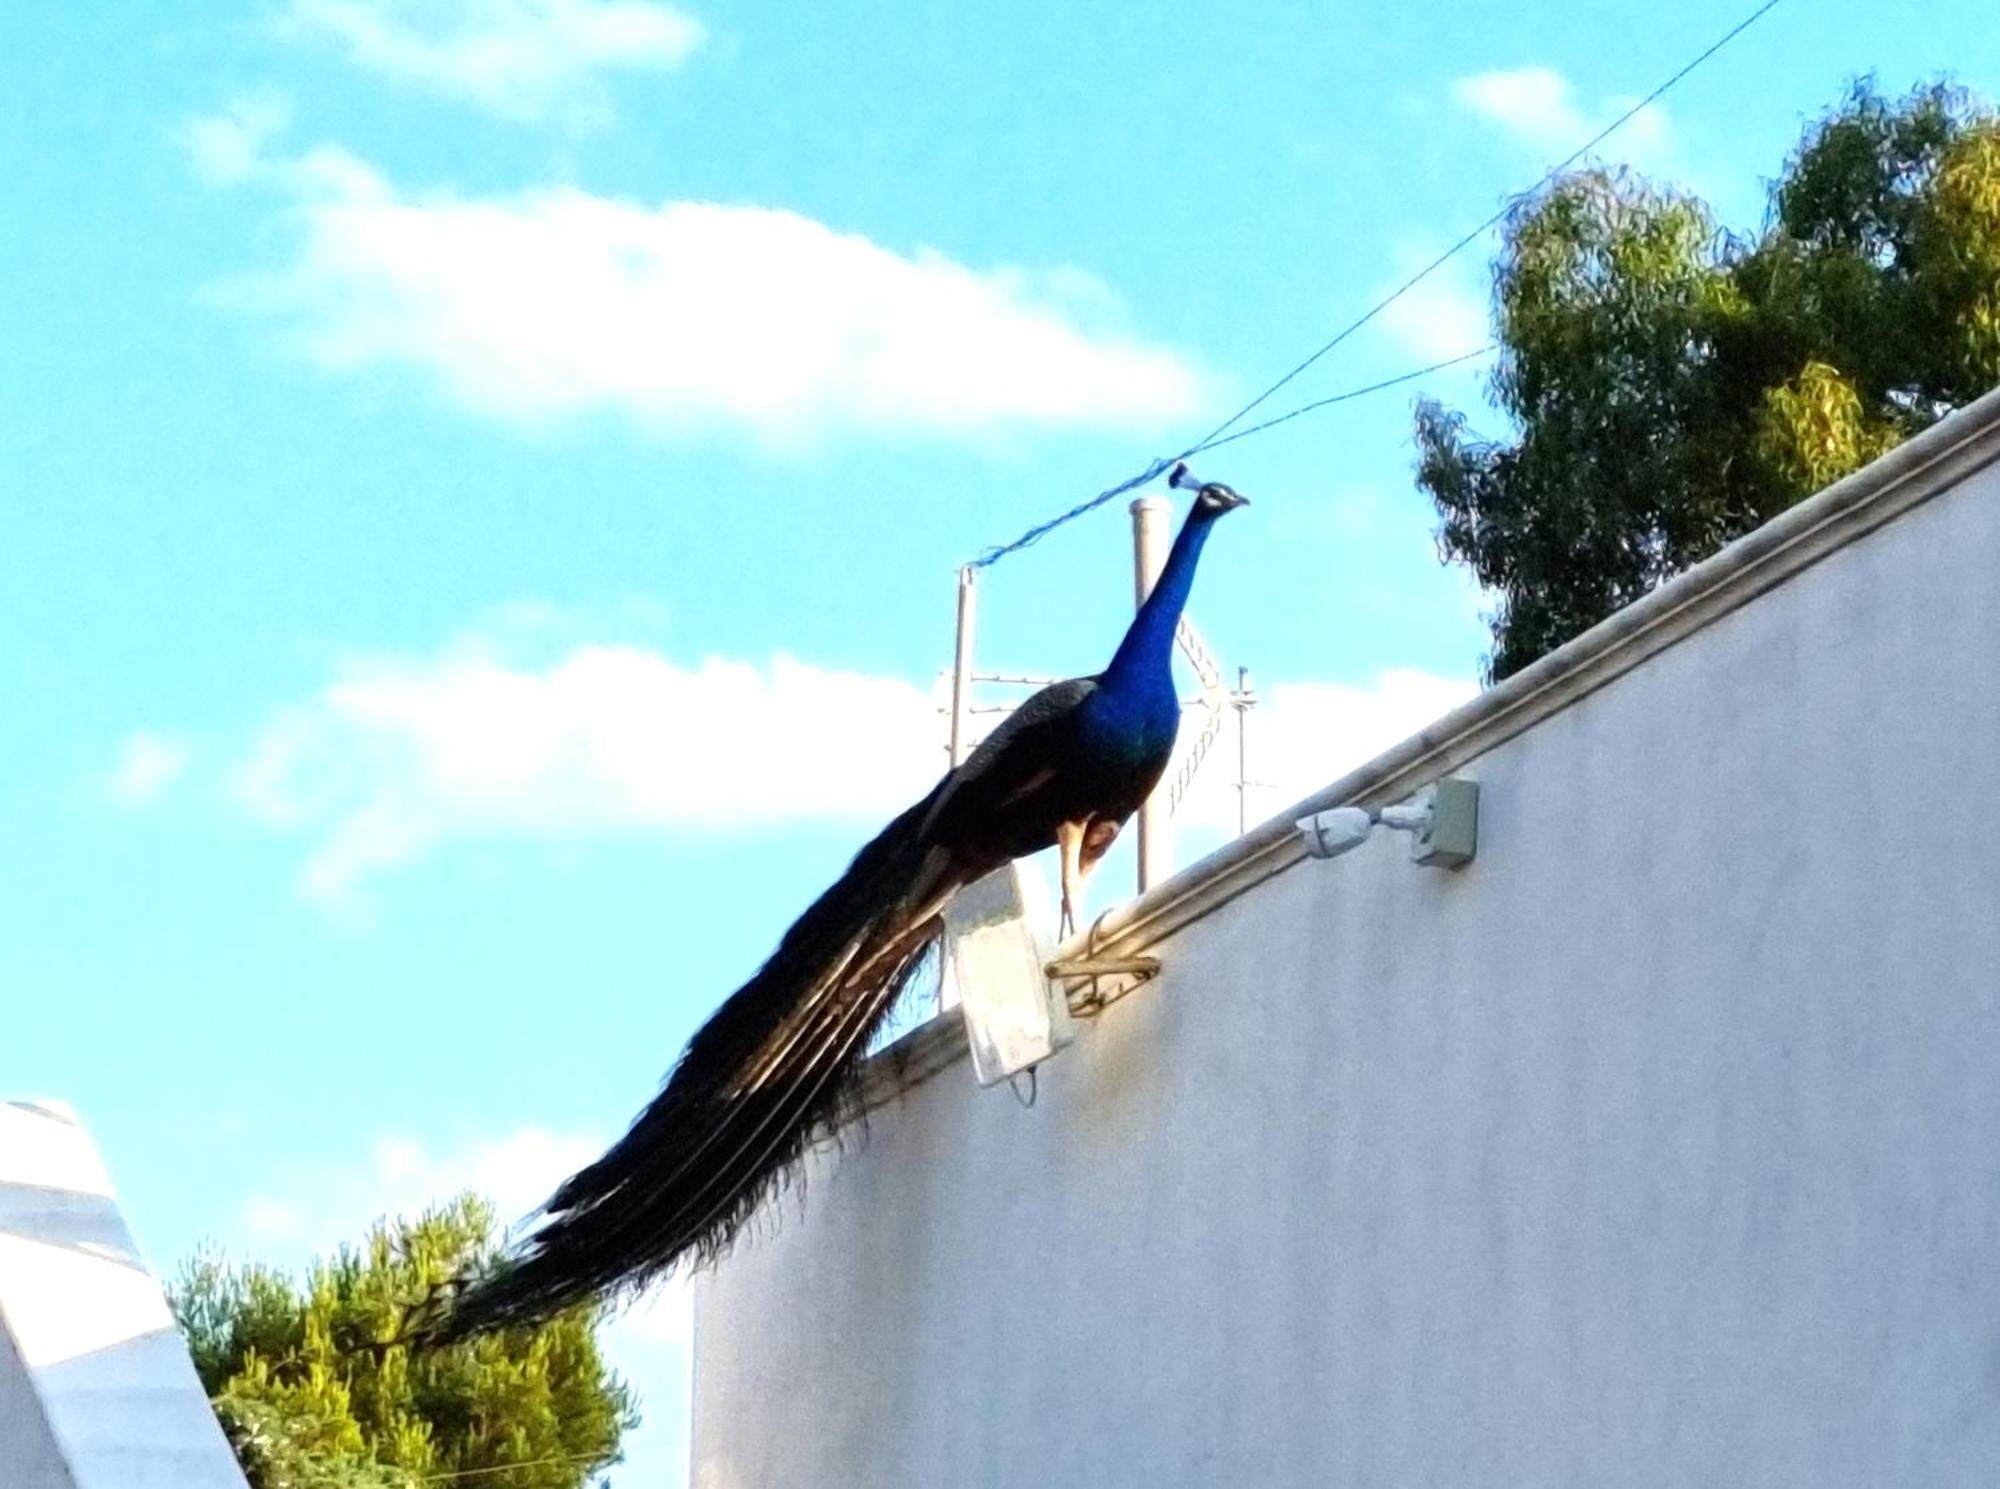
<point>1320,403</point>
<point>500,1468</point>
<point>1501,215</point>
<point>1220,434</point>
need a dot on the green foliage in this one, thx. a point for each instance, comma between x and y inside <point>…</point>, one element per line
<point>1672,387</point>
<point>315,1394</point>
<point>282,1449</point>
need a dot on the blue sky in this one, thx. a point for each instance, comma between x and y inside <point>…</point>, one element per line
<point>484,482</point>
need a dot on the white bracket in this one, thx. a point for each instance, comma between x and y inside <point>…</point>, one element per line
<point>1014,1017</point>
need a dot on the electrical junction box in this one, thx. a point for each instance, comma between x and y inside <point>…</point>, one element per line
<point>1450,837</point>
<point>994,963</point>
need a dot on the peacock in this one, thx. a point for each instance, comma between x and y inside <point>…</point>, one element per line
<point>767,1073</point>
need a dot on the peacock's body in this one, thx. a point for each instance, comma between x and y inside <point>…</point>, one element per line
<point>767,1071</point>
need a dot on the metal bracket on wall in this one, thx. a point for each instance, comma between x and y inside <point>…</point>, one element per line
<point>1090,983</point>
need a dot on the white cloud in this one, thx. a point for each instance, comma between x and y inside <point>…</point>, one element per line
<point>686,316</point>
<point>228,148</point>
<point>1306,735</point>
<point>1538,107</point>
<point>399,755</point>
<point>147,766</point>
<point>664,1314</point>
<point>525,59</point>
<point>1443,316</point>
<point>314,1208</point>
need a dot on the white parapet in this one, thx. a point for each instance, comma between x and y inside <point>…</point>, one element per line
<point>96,1387</point>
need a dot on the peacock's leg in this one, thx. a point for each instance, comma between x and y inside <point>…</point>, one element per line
<point>1069,839</point>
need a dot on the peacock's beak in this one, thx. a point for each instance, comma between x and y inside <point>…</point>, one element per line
<point>1230,499</point>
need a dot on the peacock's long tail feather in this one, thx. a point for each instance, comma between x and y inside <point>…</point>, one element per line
<point>757,1083</point>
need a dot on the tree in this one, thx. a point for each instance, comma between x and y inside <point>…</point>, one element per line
<point>1672,387</point>
<point>314,1393</point>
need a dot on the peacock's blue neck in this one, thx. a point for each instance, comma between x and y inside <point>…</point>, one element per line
<point>1145,657</point>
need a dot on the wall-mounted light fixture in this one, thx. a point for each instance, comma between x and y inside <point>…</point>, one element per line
<point>1442,820</point>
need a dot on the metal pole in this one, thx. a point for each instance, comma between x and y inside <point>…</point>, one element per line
<point>961,665</point>
<point>961,708</point>
<point>1150,540</point>
<point>1242,751</point>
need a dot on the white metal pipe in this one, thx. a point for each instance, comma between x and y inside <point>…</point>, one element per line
<point>961,665</point>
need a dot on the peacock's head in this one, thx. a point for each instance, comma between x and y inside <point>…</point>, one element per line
<point>1211,498</point>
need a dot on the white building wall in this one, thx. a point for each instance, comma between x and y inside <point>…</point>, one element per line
<point>96,1387</point>
<point>1659,1146</point>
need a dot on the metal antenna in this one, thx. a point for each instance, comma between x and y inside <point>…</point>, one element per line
<point>1243,700</point>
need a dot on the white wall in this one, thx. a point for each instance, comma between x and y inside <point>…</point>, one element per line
<point>1659,1146</point>
<point>96,1388</point>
